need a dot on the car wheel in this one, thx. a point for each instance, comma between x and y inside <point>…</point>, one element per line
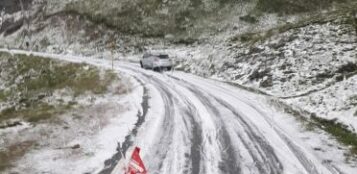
<point>157,69</point>
<point>169,68</point>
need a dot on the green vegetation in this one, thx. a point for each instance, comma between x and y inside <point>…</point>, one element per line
<point>338,130</point>
<point>332,127</point>
<point>3,95</point>
<point>30,79</point>
<point>249,18</point>
<point>45,75</point>
<point>343,16</point>
<point>295,6</point>
<point>343,13</point>
<point>150,18</point>
<point>35,112</point>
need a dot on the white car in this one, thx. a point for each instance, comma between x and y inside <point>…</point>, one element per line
<point>156,62</point>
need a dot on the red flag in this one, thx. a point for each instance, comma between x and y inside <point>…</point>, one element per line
<point>136,165</point>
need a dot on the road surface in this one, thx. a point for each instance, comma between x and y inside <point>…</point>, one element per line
<point>193,125</point>
<point>204,126</point>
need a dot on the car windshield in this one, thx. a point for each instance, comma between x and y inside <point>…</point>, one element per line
<point>163,56</point>
<point>146,55</point>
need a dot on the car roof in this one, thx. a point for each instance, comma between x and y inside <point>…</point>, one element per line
<point>154,54</point>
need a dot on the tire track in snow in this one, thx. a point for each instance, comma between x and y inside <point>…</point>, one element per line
<point>204,147</point>
<point>266,160</point>
<point>262,153</point>
<point>164,144</point>
<point>189,114</point>
<point>305,161</point>
<point>196,140</point>
<point>270,162</point>
<point>309,166</point>
<point>266,152</point>
<point>165,141</point>
<point>228,152</point>
<point>209,99</point>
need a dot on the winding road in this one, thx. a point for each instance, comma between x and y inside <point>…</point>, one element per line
<point>193,125</point>
<point>205,126</point>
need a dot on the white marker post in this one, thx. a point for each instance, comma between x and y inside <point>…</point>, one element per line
<point>2,18</point>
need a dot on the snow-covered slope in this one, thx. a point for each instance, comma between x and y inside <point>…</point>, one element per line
<point>197,125</point>
<point>306,60</point>
<point>304,64</point>
<point>268,52</point>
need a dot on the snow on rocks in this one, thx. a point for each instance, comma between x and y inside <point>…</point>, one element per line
<point>250,107</point>
<point>338,101</point>
<point>288,64</point>
<point>299,65</point>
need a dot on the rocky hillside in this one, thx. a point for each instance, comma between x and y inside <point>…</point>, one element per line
<point>155,18</point>
<point>140,24</point>
<point>301,52</point>
<point>11,6</point>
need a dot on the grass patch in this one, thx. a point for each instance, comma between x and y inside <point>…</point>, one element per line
<point>41,75</point>
<point>36,112</point>
<point>12,153</point>
<point>344,13</point>
<point>339,131</point>
<point>31,79</point>
<point>295,6</point>
<point>146,18</point>
<point>249,18</point>
<point>3,95</point>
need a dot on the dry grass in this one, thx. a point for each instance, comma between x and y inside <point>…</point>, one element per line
<point>41,77</point>
<point>12,153</point>
<point>343,12</point>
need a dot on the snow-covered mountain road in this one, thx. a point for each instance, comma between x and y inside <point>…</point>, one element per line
<point>203,126</point>
<point>189,124</point>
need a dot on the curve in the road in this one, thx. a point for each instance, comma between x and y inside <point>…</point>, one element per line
<point>205,127</point>
<point>215,135</point>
